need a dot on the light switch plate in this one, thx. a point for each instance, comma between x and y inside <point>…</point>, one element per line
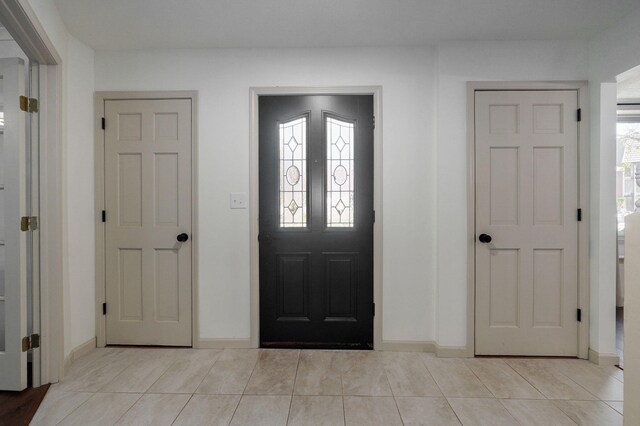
<point>238,200</point>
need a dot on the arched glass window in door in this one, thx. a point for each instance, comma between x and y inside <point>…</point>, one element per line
<point>293,173</point>
<point>340,173</point>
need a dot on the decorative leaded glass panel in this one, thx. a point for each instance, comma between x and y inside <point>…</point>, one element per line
<point>340,173</point>
<point>293,173</point>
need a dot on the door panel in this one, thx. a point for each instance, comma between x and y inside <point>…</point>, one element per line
<point>148,203</point>
<point>316,221</point>
<point>526,200</point>
<point>13,187</point>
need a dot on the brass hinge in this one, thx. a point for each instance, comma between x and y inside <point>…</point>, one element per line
<point>30,342</point>
<point>28,223</point>
<point>28,104</point>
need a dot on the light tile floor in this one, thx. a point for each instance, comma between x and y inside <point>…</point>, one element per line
<point>279,387</point>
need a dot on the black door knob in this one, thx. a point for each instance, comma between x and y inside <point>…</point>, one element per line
<point>182,237</point>
<point>485,238</point>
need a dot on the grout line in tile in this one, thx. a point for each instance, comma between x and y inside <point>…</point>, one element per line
<point>454,411</point>
<point>526,380</point>
<point>464,362</point>
<point>245,387</point>
<point>344,409</point>
<point>182,409</point>
<point>293,387</point>
<point>208,371</point>
<point>72,411</point>
<point>129,409</point>
<point>395,401</point>
<point>252,371</point>
<point>560,373</point>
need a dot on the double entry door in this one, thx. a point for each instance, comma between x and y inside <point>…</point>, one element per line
<point>526,161</point>
<point>147,221</point>
<point>316,221</point>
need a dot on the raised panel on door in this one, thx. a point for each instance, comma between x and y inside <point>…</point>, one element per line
<point>526,165</point>
<point>148,204</point>
<point>130,189</point>
<point>316,221</point>
<point>167,285</point>
<point>504,280</point>
<point>341,283</point>
<point>293,287</point>
<point>130,284</point>
<point>548,291</point>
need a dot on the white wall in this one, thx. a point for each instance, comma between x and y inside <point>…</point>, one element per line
<point>78,178</point>
<point>458,63</point>
<point>223,78</point>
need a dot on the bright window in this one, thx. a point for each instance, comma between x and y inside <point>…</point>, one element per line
<point>628,162</point>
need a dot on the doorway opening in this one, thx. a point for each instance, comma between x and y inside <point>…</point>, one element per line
<point>627,184</point>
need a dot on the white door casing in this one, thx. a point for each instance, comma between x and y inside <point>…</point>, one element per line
<point>526,163</point>
<point>148,203</point>
<point>13,300</point>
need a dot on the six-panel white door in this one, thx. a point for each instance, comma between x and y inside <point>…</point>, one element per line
<point>526,162</point>
<point>148,204</point>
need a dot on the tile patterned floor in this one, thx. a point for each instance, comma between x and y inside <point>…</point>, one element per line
<point>290,387</point>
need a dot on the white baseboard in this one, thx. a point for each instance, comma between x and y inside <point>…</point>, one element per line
<point>224,344</point>
<point>430,347</point>
<point>453,352</point>
<point>78,352</point>
<point>603,358</point>
<point>407,346</point>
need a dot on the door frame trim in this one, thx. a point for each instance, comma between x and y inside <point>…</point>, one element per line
<point>582,89</point>
<point>100,98</point>
<point>254,181</point>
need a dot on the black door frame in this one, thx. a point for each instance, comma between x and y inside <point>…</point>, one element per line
<point>255,93</point>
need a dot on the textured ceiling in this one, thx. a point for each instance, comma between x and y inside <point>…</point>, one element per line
<point>138,24</point>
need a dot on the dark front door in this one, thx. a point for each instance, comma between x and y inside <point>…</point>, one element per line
<point>316,221</point>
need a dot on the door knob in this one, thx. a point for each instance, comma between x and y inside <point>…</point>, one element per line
<point>484,238</point>
<point>182,237</point>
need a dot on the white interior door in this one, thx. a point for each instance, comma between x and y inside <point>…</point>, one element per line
<point>13,242</point>
<point>526,202</point>
<point>148,205</point>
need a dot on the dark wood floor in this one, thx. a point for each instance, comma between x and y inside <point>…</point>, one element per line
<point>18,408</point>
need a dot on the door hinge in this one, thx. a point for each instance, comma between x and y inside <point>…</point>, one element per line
<point>579,315</point>
<point>28,223</point>
<point>579,215</point>
<point>374,216</point>
<point>374,122</point>
<point>579,114</point>
<point>104,309</point>
<point>374,308</point>
<point>104,123</point>
<point>104,215</point>
<point>28,104</point>
<point>30,342</point>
